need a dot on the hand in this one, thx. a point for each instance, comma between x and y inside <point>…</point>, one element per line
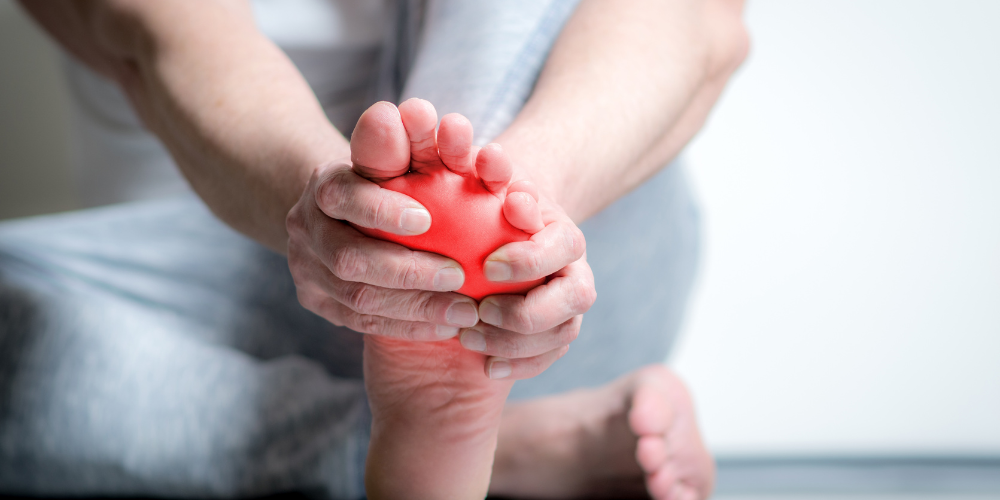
<point>369,285</point>
<point>524,335</point>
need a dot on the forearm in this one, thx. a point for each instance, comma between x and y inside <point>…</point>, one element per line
<point>239,120</point>
<point>626,85</point>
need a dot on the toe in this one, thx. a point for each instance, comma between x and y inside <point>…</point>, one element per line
<point>455,144</point>
<point>651,453</point>
<point>380,148</point>
<point>494,167</point>
<point>650,413</point>
<point>662,484</point>
<point>522,211</point>
<point>420,120</point>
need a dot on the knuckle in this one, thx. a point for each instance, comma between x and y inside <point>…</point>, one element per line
<point>365,323</point>
<point>423,306</point>
<point>575,242</point>
<point>582,298</point>
<point>513,349</point>
<point>347,263</point>
<point>522,321</point>
<point>414,330</point>
<point>363,299</point>
<point>533,264</point>
<point>295,221</point>
<point>380,213</point>
<point>331,194</point>
<point>409,274</point>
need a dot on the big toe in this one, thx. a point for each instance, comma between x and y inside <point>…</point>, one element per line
<point>420,119</point>
<point>380,147</point>
<point>650,413</point>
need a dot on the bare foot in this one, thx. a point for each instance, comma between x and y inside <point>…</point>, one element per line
<point>436,414</point>
<point>636,437</point>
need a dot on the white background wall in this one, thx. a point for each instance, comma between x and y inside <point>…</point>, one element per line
<point>849,302</point>
<point>850,296</point>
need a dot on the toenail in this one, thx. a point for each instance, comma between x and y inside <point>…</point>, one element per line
<point>448,279</point>
<point>498,270</point>
<point>446,332</point>
<point>473,341</point>
<point>462,314</point>
<point>499,370</point>
<point>415,220</point>
<point>489,312</point>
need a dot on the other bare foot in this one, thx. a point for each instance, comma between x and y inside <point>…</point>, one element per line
<point>636,437</point>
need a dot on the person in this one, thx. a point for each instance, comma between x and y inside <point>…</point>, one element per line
<point>148,349</point>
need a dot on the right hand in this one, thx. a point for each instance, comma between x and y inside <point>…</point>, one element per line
<point>369,285</point>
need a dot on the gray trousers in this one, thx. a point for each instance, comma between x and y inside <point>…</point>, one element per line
<point>148,349</point>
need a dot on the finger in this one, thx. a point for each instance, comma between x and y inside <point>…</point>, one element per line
<point>380,148</point>
<point>344,195</point>
<point>420,120</point>
<point>494,167</point>
<point>441,308</point>
<point>455,144</point>
<point>315,283</point>
<point>546,252</point>
<point>341,315</point>
<point>569,293</point>
<point>522,211</point>
<point>352,256</point>
<point>520,369</point>
<point>497,342</point>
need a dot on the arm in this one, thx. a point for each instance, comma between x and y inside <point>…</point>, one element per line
<point>247,132</point>
<point>236,115</point>
<point>626,86</point>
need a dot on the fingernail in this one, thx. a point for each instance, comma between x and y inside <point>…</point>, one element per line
<point>415,220</point>
<point>462,314</point>
<point>446,332</point>
<point>490,313</point>
<point>448,279</point>
<point>473,341</point>
<point>499,369</point>
<point>497,270</point>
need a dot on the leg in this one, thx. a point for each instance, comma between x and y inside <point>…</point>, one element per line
<point>149,350</point>
<point>643,285</point>
<point>435,413</point>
